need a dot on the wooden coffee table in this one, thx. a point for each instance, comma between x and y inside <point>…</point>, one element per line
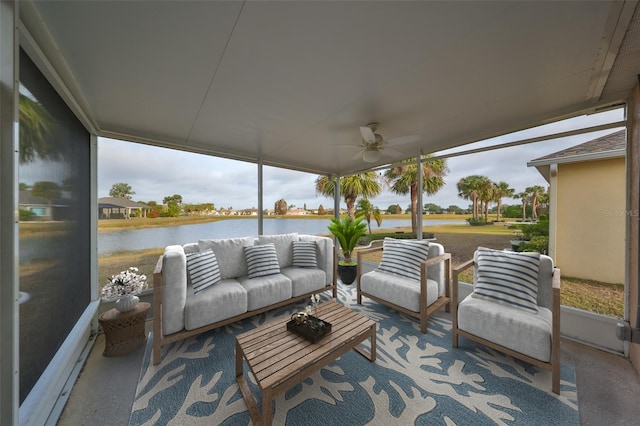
<point>280,359</point>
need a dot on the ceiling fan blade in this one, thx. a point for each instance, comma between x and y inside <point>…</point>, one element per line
<point>403,139</point>
<point>367,135</point>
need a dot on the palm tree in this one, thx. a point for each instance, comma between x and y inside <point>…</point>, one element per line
<point>485,195</point>
<point>524,197</point>
<point>535,192</point>
<point>500,191</point>
<point>36,132</point>
<point>470,188</point>
<point>364,185</point>
<point>403,178</point>
<point>366,210</point>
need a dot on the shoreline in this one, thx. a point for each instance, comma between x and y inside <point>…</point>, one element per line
<point>113,225</point>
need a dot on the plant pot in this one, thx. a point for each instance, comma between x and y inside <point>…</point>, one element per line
<point>515,244</point>
<point>347,273</point>
<point>126,303</point>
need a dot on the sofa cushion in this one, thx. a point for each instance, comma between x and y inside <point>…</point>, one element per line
<point>514,328</point>
<point>224,300</point>
<point>403,257</point>
<point>304,254</point>
<point>203,270</point>
<point>397,290</point>
<point>230,255</point>
<point>262,260</point>
<point>282,243</point>
<point>508,278</point>
<point>305,280</point>
<point>265,291</point>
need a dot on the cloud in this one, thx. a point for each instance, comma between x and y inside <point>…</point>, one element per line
<point>155,173</point>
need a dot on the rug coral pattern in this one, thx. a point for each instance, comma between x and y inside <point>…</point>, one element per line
<point>416,379</point>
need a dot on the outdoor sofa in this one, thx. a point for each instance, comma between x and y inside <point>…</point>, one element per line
<point>204,285</point>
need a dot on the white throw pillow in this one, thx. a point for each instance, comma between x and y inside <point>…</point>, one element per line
<point>262,260</point>
<point>508,277</point>
<point>403,257</point>
<point>304,254</point>
<point>203,270</point>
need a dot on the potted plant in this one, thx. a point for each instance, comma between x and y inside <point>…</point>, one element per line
<point>123,288</point>
<point>347,231</point>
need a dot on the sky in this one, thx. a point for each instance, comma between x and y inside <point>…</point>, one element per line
<point>154,173</point>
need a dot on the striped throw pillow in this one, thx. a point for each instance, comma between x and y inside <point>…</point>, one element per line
<point>403,257</point>
<point>508,277</point>
<point>203,270</point>
<point>304,254</point>
<point>262,260</point>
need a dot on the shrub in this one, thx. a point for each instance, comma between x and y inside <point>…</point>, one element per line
<point>27,215</point>
<point>538,229</point>
<point>478,222</point>
<point>538,243</point>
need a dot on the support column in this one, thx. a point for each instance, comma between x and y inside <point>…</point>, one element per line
<point>9,361</point>
<point>420,198</point>
<point>633,221</point>
<point>260,198</point>
<point>336,198</point>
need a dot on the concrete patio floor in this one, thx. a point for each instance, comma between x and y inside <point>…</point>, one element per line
<point>608,387</point>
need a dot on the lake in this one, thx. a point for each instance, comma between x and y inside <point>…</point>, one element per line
<point>140,239</point>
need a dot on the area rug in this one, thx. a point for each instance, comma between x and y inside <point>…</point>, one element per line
<point>416,379</point>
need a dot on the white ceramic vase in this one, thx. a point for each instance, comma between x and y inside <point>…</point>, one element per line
<point>127,303</point>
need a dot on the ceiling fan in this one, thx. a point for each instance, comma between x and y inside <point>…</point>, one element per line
<point>373,143</point>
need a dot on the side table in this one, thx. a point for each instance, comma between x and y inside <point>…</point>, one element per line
<point>124,331</point>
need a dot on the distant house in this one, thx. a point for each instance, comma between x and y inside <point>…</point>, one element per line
<point>297,212</point>
<point>587,208</point>
<point>120,208</point>
<point>40,208</point>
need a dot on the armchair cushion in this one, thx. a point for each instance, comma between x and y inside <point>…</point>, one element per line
<point>397,290</point>
<point>403,257</point>
<point>514,328</point>
<point>508,278</point>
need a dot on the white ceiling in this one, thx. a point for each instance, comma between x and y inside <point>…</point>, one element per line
<point>289,82</point>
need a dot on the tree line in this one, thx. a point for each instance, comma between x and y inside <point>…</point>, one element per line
<point>482,191</point>
<point>402,179</point>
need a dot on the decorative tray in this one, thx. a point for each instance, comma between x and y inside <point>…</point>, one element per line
<point>305,330</point>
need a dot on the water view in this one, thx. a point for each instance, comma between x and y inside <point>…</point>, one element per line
<point>140,239</point>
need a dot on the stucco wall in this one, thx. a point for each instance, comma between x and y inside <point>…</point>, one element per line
<point>590,238</point>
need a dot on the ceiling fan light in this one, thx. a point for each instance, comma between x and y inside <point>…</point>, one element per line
<point>370,156</point>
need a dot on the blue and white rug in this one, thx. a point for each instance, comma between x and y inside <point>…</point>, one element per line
<point>416,379</point>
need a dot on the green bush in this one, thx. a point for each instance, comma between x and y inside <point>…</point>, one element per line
<point>538,229</point>
<point>538,243</point>
<point>26,215</point>
<point>478,222</point>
